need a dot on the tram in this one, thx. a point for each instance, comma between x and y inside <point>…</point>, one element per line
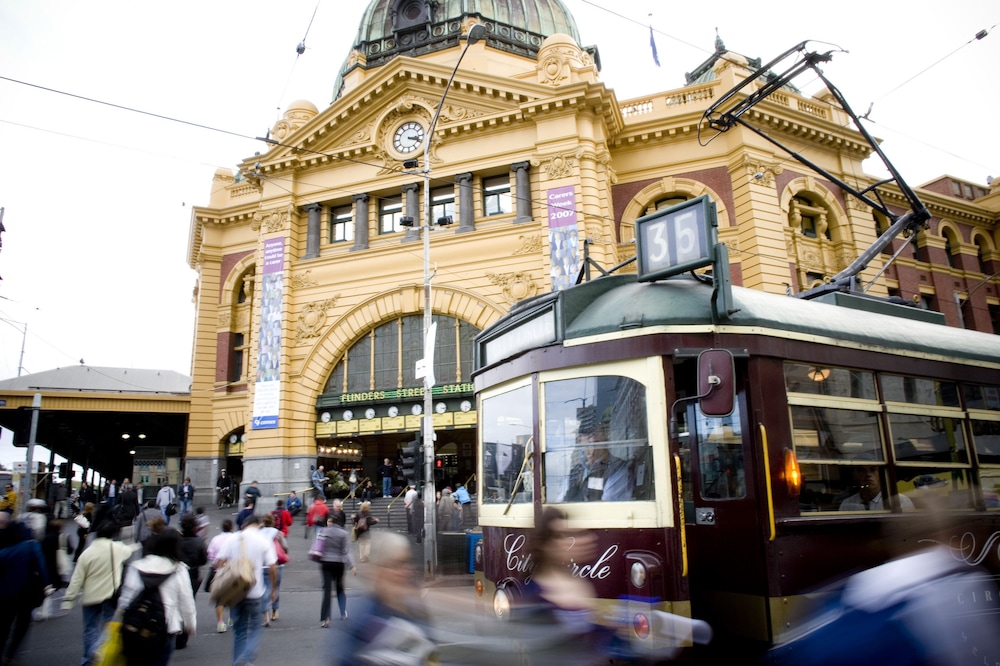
<point>750,458</point>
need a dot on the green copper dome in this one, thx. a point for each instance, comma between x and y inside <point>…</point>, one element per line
<point>390,28</point>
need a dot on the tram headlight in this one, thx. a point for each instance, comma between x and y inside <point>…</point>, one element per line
<point>793,476</point>
<point>501,604</point>
<point>638,574</point>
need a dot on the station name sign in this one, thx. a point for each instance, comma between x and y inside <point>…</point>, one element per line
<point>397,394</point>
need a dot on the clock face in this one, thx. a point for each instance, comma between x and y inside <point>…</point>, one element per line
<point>369,413</point>
<point>348,415</point>
<point>408,137</point>
<point>440,408</point>
<point>393,411</point>
<point>465,406</point>
<point>325,417</point>
<point>417,410</point>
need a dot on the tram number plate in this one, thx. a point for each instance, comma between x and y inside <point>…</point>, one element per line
<point>703,516</point>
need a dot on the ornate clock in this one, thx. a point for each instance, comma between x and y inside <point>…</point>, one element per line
<point>408,137</point>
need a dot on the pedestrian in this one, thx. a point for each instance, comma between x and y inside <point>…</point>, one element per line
<point>97,580</point>
<point>294,504</point>
<point>35,518</point>
<point>165,500</point>
<point>214,546</point>
<point>386,472</point>
<point>367,491</point>
<point>85,527</point>
<point>9,502</point>
<point>393,609</point>
<point>446,511</point>
<point>202,521</point>
<point>86,494</point>
<point>160,569</point>
<point>319,483</point>
<point>410,503</point>
<point>252,494</point>
<point>353,480</point>
<point>147,522</point>
<point>363,522</point>
<point>185,494</point>
<point>111,492</point>
<point>194,554</point>
<point>337,511</point>
<point>129,505</point>
<point>24,582</point>
<point>335,557</point>
<point>316,516</point>
<point>464,500</point>
<point>282,518</point>
<point>244,513</point>
<point>270,531</point>
<point>247,614</point>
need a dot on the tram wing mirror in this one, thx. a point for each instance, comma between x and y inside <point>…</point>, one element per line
<point>716,382</point>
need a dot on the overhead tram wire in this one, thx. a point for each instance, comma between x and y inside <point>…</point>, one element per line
<point>299,50</point>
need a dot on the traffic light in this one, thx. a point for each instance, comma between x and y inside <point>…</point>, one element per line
<point>66,471</point>
<point>410,458</point>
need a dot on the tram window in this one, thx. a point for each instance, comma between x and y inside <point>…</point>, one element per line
<point>722,473</point>
<point>919,390</point>
<point>506,422</point>
<point>596,442</point>
<point>986,437</point>
<point>827,381</point>
<point>990,480</point>
<point>920,437</point>
<point>981,397</point>
<point>825,433</point>
<point>930,488</point>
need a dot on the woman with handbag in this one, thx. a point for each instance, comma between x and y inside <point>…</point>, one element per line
<point>332,550</point>
<point>281,549</point>
<point>97,580</point>
<point>214,546</point>
<point>363,521</point>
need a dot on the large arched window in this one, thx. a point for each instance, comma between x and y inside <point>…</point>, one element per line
<point>950,246</point>
<point>385,357</point>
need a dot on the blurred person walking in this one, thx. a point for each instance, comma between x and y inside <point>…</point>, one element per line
<point>214,546</point>
<point>194,554</point>
<point>97,580</point>
<point>273,601</point>
<point>363,521</point>
<point>335,557</point>
<point>316,517</point>
<point>24,582</point>
<point>249,543</point>
<point>161,570</point>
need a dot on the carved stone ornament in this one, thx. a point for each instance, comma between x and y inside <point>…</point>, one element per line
<point>530,244</point>
<point>302,279</point>
<point>313,318</point>
<point>225,318</point>
<point>271,221</point>
<point>760,172</point>
<point>556,167</point>
<point>515,286</point>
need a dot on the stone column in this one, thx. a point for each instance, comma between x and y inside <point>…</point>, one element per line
<point>360,222</point>
<point>522,192</point>
<point>466,208</point>
<point>312,231</point>
<point>411,193</point>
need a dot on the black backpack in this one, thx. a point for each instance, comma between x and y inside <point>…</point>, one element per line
<point>144,623</point>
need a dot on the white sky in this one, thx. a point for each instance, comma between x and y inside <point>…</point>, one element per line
<point>97,199</point>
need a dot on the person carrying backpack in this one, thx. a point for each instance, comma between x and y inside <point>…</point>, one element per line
<point>156,603</point>
<point>282,518</point>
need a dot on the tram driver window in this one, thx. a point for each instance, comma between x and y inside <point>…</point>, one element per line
<point>508,465</point>
<point>596,443</point>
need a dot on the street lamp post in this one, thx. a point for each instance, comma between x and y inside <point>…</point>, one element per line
<point>476,33</point>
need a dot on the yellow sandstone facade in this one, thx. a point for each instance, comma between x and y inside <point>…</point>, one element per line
<point>311,290</point>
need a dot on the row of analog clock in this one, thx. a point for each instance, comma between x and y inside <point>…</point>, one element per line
<point>416,410</point>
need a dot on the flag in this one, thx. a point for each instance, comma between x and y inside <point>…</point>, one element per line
<point>652,45</point>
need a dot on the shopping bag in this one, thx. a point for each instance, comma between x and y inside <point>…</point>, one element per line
<point>110,652</point>
<point>233,580</point>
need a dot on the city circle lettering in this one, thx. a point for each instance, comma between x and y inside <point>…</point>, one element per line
<point>519,560</point>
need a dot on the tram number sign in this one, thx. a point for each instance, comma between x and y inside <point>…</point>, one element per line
<point>676,240</point>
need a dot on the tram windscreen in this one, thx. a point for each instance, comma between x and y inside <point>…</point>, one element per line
<point>596,441</point>
<point>508,467</point>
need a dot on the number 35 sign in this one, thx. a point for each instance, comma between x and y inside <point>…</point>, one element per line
<point>676,240</point>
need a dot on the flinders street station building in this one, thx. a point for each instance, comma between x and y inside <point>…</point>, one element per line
<point>318,257</point>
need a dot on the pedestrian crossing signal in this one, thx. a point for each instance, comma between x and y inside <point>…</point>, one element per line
<point>410,463</point>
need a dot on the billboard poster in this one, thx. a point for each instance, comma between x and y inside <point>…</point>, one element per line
<point>267,389</point>
<point>564,237</point>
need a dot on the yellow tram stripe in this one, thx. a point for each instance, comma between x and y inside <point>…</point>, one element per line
<point>681,522</point>
<point>767,483</point>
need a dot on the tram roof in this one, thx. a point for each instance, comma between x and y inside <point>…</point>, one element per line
<point>618,303</point>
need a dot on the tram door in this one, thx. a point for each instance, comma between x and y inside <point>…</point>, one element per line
<point>726,560</point>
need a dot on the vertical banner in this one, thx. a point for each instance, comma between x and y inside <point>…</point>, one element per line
<point>267,390</point>
<point>564,237</point>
